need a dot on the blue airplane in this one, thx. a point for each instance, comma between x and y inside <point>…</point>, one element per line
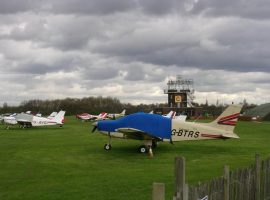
<point>152,128</point>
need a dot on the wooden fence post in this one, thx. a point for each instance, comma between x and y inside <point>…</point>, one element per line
<point>226,182</point>
<point>158,191</point>
<point>180,177</point>
<point>185,192</point>
<point>257,176</point>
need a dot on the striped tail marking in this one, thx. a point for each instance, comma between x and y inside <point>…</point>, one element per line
<point>229,120</point>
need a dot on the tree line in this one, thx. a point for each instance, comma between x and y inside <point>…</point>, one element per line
<point>73,106</point>
<point>95,105</point>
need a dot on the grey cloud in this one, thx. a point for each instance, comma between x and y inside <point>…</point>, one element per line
<point>247,9</point>
<point>234,44</point>
<point>161,7</point>
<point>253,9</point>
<point>135,73</point>
<point>92,7</point>
<point>14,6</point>
<point>113,44</point>
<point>60,32</point>
<point>99,73</point>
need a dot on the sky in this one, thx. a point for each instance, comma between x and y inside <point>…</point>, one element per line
<point>129,49</point>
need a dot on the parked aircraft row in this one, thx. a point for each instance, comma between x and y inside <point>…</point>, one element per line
<point>104,116</point>
<point>101,116</point>
<point>26,120</point>
<point>147,127</point>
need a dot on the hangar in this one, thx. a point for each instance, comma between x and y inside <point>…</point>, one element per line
<point>261,112</point>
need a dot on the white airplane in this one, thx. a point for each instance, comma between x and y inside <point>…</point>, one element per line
<point>116,115</point>
<point>86,116</point>
<point>151,128</point>
<point>9,120</point>
<point>27,121</point>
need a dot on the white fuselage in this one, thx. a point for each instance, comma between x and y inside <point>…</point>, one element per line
<point>193,131</point>
<point>42,121</point>
<point>10,120</point>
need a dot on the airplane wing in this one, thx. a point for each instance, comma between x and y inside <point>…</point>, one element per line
<point>136,134</point>
<point>24,123</point>
<point>24,119</point>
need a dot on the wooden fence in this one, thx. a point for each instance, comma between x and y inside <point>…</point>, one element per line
<point>252,183</point>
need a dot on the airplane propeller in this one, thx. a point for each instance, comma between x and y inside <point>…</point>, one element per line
<point>94,127</point>
<point>171,141</point>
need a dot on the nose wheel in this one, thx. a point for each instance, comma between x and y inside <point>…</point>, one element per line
<point>107,147</point>
<point>146,149</point>
<point>143,149</point>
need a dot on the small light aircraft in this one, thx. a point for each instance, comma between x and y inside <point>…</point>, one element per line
<point>27,121</point>
<point>83,116</point>
<point>116,115</point>
<point>151,128</point>
<point>86,116</point>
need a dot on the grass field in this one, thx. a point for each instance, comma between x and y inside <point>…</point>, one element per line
<point>70,163</point>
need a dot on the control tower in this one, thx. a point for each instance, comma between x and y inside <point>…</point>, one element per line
<point>180,92</point>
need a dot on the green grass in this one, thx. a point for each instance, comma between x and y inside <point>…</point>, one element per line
<point>70,163</point>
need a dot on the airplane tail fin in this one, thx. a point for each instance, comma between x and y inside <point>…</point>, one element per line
<point>227,120</point>
<point>123,112</point>
<point>171,114</point>
<point>102,115</point>
<point>59,118</point>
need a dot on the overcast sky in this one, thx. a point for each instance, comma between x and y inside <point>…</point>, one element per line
<point>129,49</point>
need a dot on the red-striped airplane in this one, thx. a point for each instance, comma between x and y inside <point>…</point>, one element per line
<point>151,128</point>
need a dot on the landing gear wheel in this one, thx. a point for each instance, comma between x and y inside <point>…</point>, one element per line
<point>107,147</point>
<point>143,149</point>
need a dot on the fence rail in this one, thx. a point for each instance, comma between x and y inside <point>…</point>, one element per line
<point>252,183</point>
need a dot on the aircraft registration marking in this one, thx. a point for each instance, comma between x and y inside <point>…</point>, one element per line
<point>185,133</point>
<point>40,122</point>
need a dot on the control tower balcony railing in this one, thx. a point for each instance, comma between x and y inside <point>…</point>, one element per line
<point>167,91</point>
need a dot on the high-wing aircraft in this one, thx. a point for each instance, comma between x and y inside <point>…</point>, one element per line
<point>27,121</point>
<point>86,116</point>
<point>116,115</point>
<point>151,128</point>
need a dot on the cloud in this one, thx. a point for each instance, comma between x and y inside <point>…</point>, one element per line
<point>244,9</point>
<point>129,49</point>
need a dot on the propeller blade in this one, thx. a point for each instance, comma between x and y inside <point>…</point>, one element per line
<point>94,127</point>
<point>171,141</point>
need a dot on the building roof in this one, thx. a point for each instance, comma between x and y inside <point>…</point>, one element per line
<point>259,111</point>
